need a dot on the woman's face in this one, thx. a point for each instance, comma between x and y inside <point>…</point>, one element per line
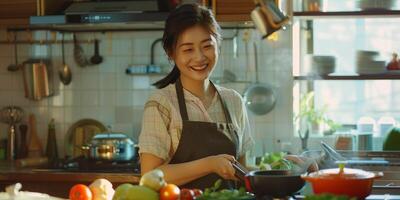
<point>196,53</point>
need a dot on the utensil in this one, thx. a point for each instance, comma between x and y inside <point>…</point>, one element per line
<point>15,67</point>
<point>79,55</point>
<point>36,77</point>
<point>64,72</point>
<point>259,98</point>
<point>35,148</point>
<point>23,146</point>
<point>11,115</point>
<point>96,58</point>
<point>342,181</point>
<point>273,183</point>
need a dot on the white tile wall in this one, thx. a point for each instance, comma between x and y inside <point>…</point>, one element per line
<point>104,92</point>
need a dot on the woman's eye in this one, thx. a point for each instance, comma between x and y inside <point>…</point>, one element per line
<point>207,46</point>
<point>187,50</point>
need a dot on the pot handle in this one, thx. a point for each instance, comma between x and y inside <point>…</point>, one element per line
<point>378,175</point>
<point>240,170</point>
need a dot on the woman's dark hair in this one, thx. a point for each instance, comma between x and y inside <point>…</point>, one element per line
<point>180,19</point>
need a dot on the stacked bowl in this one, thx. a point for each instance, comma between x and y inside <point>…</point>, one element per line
<point>319,64</point>
<point>366,63</point>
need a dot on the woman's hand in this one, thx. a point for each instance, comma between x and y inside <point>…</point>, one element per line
<point>302,161</point>
<point>222,165</point>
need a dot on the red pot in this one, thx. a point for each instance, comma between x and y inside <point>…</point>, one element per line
<point>343,181</point>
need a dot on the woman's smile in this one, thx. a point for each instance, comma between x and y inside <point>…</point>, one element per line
<point>199,68</point>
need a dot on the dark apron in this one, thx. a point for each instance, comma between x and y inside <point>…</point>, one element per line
<point>201,139</point>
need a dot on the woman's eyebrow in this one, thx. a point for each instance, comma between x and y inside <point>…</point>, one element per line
<point>191,43</point>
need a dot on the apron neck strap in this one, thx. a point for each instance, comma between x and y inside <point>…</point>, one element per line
<point>182,105</point>
<point>181,100</point>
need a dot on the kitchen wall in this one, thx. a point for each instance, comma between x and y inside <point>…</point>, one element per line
<point>104,92</point>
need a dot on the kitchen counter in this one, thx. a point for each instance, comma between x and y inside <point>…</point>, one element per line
<point>56,182</point>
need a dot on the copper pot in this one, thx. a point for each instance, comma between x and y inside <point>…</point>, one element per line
<point>343,181</point>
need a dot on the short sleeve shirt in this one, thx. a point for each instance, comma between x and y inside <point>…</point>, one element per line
<point>162,122</point>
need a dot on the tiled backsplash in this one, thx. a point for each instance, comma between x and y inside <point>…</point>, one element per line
<point>104,92</point>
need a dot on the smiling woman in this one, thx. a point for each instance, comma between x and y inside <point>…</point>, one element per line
<point>192,129</point>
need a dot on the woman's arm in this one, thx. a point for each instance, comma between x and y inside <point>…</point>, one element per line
<point>182,173</point>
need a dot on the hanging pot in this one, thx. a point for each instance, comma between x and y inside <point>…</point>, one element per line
<point>267,17</point>
<point>260,98</point>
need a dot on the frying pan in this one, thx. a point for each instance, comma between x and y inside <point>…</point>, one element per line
<point>259,98</point>
<point>273,183</point>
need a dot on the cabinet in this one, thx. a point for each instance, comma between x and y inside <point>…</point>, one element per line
<point>17,12</point>
<point>231,10</point>
<point>361,42</point>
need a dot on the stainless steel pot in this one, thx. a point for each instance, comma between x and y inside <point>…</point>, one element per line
<point>112,146</point>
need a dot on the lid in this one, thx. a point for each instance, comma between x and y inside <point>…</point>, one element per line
<point>111,136</point>
<point>342,173</point>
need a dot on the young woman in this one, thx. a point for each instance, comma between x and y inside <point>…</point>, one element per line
<point>193,129</point>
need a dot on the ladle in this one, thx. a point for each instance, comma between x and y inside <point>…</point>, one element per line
<point>64,72</point>
<point>15,67</point>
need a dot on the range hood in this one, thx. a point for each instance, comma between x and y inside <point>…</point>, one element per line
<point>120,14</point>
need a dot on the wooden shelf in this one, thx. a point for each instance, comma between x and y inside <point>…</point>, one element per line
<point>355,14</point>
<point>386,76</point>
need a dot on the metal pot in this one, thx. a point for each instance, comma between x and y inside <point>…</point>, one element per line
<point>343,181</point>
<point>267,17</point>
<point>112,146</point>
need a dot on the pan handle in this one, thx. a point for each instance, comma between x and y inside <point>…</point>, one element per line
<point>240,170</point>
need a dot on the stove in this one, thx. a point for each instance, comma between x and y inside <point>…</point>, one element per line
<point>82,164</point>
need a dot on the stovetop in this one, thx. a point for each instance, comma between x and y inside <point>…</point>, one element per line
<point>82,164</point>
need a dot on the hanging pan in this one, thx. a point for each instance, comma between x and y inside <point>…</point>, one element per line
<point>260,98</point>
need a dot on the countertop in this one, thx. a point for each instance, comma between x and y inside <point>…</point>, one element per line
<point>56,182</point>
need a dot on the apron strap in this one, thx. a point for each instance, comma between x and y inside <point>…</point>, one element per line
<point>229,121</point>
<point>181,100</point>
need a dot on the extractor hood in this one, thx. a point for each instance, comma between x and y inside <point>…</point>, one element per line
<point>117,14</point>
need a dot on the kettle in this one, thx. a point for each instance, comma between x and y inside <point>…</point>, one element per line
<point>267,17</point>
<point>37,78</point>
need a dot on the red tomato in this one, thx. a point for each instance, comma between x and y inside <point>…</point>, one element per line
<point>80,192</point>
<point>197,192</point>
<point>170,192</point>
<point>187,194</point>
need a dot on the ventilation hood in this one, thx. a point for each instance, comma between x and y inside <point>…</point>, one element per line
<point>120,14</point>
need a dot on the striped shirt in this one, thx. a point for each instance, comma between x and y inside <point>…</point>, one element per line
<point>162,122</point>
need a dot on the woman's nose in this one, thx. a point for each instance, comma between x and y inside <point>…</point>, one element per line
<point>199,55</point>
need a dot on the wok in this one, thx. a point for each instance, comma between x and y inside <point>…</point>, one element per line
<point>273,183</point>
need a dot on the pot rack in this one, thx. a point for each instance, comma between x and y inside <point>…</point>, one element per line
<point>11,34</point>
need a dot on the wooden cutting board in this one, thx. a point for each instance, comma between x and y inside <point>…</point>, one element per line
<point>35,148</point>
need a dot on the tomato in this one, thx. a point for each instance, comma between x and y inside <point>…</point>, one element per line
<point>197,192</point>
<point>187,194</point>
<point>170,192</point>
<point>80,192</point>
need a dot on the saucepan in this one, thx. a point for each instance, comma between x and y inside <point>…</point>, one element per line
<point>273,183</point>
<point>343,181</point>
